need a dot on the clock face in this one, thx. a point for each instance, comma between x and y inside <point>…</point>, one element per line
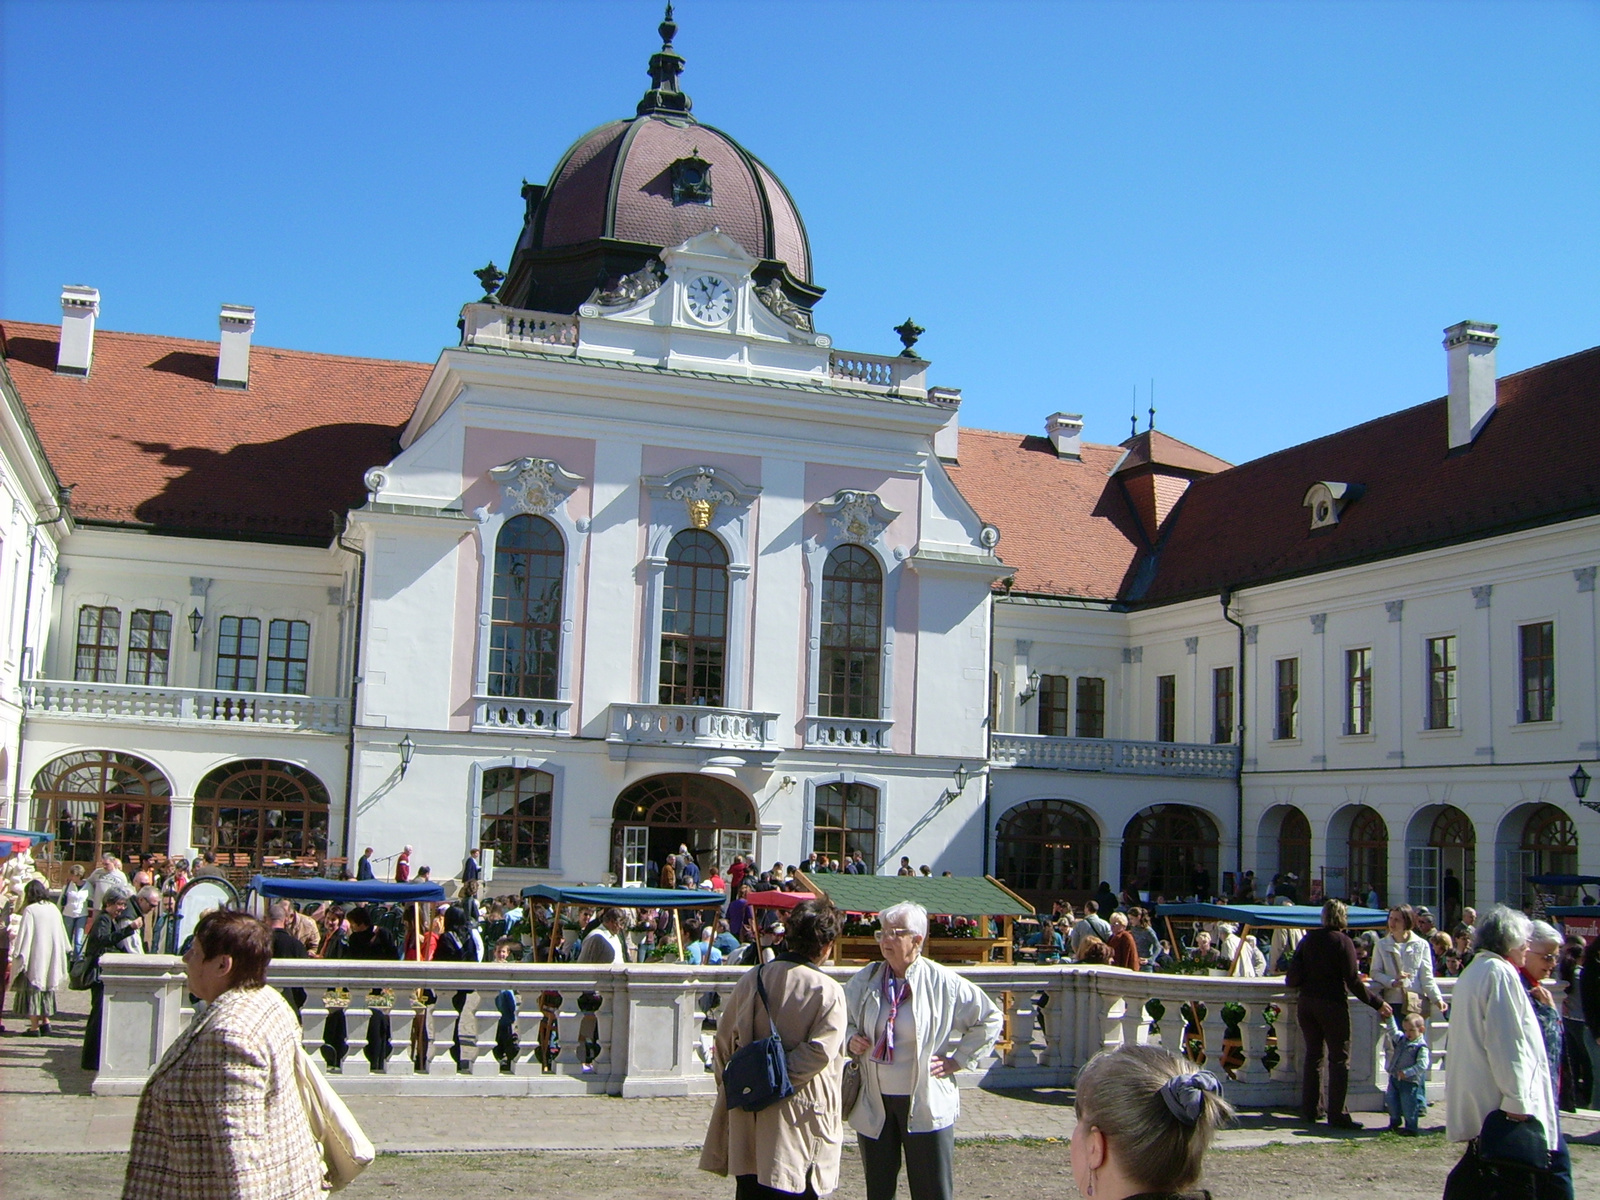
<point>710,299</point>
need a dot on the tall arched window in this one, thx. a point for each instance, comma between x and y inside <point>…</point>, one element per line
<point>1369,854</point>
<point>844,820</point>
<point>1048,850</point>
<point>101,802</point>
<point>1549,846</point>
<point>1294,848</point>
<point>263,808</point>
<point>852,635</point>
<point>1166,847</point>
<point>694,620</point>
<point>525,622</point>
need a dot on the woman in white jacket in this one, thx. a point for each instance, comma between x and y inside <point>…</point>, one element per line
<point>40,951</point>
<point>1403,962</point>
<point>912,1024</point>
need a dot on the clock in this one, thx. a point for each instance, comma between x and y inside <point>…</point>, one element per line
<point>710,299</point>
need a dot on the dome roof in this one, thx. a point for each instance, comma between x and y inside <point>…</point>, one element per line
<point>631,188</point>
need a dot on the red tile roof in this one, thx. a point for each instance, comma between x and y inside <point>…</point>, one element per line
<point>1065,525</point>
<point>149,439</point>
<point>1162,450</point>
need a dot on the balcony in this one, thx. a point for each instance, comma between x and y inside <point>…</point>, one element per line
<point>692,725</point>
<point>518,329</point>
<point>172,706</point>
<point>877,371</point>
<point>506,714</point>
<point>1170,759</point>
<point>845,733</point>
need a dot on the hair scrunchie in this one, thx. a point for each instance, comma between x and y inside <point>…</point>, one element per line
<point>1185,1094</point>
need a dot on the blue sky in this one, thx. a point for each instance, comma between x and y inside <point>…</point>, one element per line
<point>1271,209</point>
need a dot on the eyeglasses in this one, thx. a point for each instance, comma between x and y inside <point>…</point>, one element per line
<point>895,933</point>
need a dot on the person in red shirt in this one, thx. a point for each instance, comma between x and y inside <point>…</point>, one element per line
<point>1124,950</point>
<point>402,866</point>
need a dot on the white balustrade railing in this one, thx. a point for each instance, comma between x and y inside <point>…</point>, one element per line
<point>878,371</point>
<point>182,706</point>
<point>1113,756</point>
<point>643,1029</point>
<point>847,733</point>
<point>692,725</point>
<point>518,329</point>
<point>505,714</point>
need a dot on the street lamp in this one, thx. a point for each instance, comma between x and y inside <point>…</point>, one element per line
<point>197,621</point>
<point>1032,690</point>
<point>407,749</point>
<point>961,777</point>
<point>1579,779</point>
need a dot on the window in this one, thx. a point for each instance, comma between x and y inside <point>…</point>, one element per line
<point>1166,708</point>
<point>525,618</point>
<point>1538,671</point>
<point>852,634</point>
<point>1222,705</point>
<point>288,645</point>
<point>149,645</point>
<point>264,809</point>
<point>99,630</point>
<point>1091,706</point>
<point>516,816</point>
<point>1442,712</point>
<point>1046,850</point>
<point>1358,691</point>
<point>238,649</point>
<point>1288,723</point>
<point>1055,705</point>
<point>844,820</point>
<point>694,620</point>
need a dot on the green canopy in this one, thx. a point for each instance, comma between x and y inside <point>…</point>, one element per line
<point>943,896</point>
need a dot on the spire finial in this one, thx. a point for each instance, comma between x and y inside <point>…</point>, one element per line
<point>666,65</point>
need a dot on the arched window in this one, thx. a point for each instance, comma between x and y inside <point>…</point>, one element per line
<point>516,816</point>
<point>844,820</point>
<point>1165,846</point>
<point>852,635</point>
<point>1549,847</point>
<point>525,621</point>
<point>1294,848</point>
<point>262,808</point>
<point>1047,850</point>
<point>694,620</point>
<point>1369,854</point>
<point>100,802</point>
<point>654,817</point>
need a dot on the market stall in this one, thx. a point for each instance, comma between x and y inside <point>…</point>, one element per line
<point>615,897</point>
<point>1261,916</point>
<point>974,898</point>
<point>263,888</point>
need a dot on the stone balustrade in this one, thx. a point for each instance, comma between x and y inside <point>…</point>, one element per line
<point>878,371</point>
<point>645,1029</point>
<point>127,702</point>
<point>692,725</point>
<point>501,328</point>
<point>1200,760</point>
<point>845,733</point>
<point>505,714</point>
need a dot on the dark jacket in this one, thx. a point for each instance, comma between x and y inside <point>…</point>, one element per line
<point>1324,967</point>
<point>1589,987</point>
<point>364,869</point>
<point>373,943</point>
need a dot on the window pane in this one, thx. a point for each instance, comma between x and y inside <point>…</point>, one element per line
<point>288,646</point>
<point>1222,705</point>
<point>694,623</point>
<point>1055,701</point>
<point>516,816</point>
<point>852,635</point>
<point>1442,712</point>
<point>1358,691</point>
<point>1091,714</point>
<point>149,645</point>
<point>1166,708</point>
<point>99,631</point>
<point>1288,699</point>
<point>1538,671</point>
<point>525,615</point>
<point>238,653</point>
<point>845,820</point>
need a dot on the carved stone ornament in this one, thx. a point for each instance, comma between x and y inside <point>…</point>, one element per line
<point>858,517</point>
<point>786,310</point>
<point>534,485</point>
<point>701,495</point>
<point>630,288</point>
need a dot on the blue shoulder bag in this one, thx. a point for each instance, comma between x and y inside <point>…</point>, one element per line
<point>757,1075</point>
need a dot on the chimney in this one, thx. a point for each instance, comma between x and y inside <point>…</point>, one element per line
<point>79,307</point>
<point>1470,347</point>
<point>238,322</point>
<point>1065,431</point>
<point>947,440</point>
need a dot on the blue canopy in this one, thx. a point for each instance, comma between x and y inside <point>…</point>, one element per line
<point>345,891</point>
<point>36,835</point>
<point>1564,880</point>
<point>1289,916</point>
<point>614,897</point>
<point>1563,911</point>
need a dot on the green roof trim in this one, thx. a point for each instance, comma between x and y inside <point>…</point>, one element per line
<point>942,895</point>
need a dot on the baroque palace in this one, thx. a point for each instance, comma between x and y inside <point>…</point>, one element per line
<point>645,561</point>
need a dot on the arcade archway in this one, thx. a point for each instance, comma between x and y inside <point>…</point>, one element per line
<point>654,817</point>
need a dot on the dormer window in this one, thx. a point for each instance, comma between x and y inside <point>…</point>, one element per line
<point>691,180</point>
<point>1327,500</point>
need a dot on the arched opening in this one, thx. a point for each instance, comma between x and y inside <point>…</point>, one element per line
<point>264,809</point>
<point>1537,839</point>
<point>654,817</point>
<point>1283,849</point>
<point>103,802</point>
<point>694,620</point>
<point>1170,850</point>
<point>852,635</point>
<point>1358,844</point>
<point>1441,862</point>
<point>525,621</point>
<point>1048,850</point>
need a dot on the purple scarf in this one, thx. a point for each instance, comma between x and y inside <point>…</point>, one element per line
<point>895,993</point>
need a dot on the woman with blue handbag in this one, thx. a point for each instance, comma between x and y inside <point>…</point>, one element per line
<point>778,1059</point>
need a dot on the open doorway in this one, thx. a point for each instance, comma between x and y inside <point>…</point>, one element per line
<point>667,814</point>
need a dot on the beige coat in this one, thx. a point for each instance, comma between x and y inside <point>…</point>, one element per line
<point>221,1117</point>
<point>802,1136</point>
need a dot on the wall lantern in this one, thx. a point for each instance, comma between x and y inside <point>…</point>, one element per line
<point>961,778</point>
<point>197,622</point>
<point>1579,779</point>
<point>407,749</point>
<point>1032,690</point>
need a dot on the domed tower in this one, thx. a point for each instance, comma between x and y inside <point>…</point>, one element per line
<point>631,188</point>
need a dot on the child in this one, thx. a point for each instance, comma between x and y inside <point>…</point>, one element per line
<point>506,1041</point>
<point>1408,1073</point>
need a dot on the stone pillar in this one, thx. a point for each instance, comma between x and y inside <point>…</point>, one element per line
<point>180,833</point>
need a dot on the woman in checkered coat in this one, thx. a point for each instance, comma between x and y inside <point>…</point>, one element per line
<point>221,1117</point>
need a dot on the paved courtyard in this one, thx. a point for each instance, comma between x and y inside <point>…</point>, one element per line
<point>58,1140</point>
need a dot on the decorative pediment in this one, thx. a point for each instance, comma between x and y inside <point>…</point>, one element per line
<point>534,485</point>
<point>859,517</point>
<point>702,491</point>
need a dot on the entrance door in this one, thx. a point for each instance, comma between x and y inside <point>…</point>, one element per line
<point>635,849</point>
<point>1422,876</point>
<point>733,843</point>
